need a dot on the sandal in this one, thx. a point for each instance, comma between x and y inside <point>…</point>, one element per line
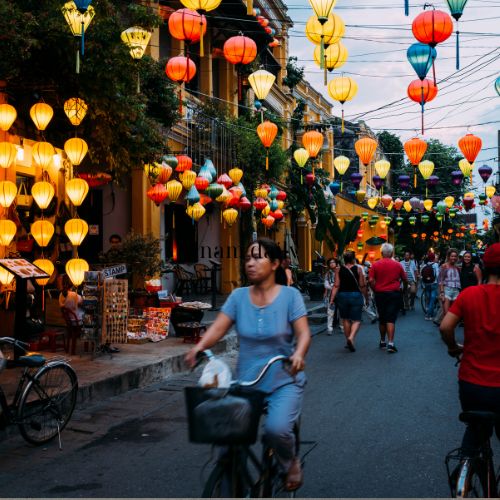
<point>295,476</point>
<point>350,345</point>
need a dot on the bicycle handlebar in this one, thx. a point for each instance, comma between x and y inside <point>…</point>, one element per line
<point>18,343</point>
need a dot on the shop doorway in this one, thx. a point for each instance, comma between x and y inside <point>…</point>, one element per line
<point>181,235</point>
<point>91,212</point>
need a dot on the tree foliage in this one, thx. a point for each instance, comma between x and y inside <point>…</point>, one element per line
<point>294,73</point>
<point>123,128</point>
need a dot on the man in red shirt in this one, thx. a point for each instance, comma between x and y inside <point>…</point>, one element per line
<point>479,373</point>
<point>385,279</point>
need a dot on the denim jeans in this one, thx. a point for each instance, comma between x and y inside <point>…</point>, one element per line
<point>431,290</point>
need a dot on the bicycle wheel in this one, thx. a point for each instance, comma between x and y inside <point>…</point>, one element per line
<point>47,403</point>
<point>472,480</point>
<point>223,484</point>
<point>213,486</point>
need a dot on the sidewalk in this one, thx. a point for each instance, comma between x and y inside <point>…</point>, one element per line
<point>138,365</point>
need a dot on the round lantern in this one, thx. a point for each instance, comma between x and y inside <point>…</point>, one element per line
<point>43,154</point>
<point>240,50</point>
<point>422,91</point>
<point>180,69</point>
<point>8,193</point>
<point>5,277</point>
<point>432,181</point>
<point>47,266</point>
<point>174,189</point>
<point>342,89</point>
<point>333,57</point>
<point>365,149</point>
<point>267,132</point>
<point>187,178</point>
<point>42,231</point>
<point>76,230</point>
<point>470,145</point>
<point>432,27</point>
<point>313,141</point>
<point>8,153</point>
<point>310,178</point>
<point>184,163</point>
<point>382,168</point>
<point>41,114</point>
<point>276,214</point>
<point>230,215</point>
<point>42,193</point>
<point>75,109</point>
<point>327,32</point>
<point>76,269</point>
<point>261,192</point>
<point>8,115</point>
<point>77,190</point>
<point>187,25</point>
<point>8,230</point>
<point>235,174</point>
<point>76,149</point>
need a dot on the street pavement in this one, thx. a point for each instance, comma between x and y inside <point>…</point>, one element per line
<point>383,423</point>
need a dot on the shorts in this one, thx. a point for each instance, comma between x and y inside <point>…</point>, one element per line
<point>388,305</point>
<point>451,293</point>
<point>350,305</point>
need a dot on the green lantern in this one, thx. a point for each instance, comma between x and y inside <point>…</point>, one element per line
<point>456,8</point>
<point>452,212</point>
<point>360,245</point>
<point>412,220</point>
<point>439,217</point>
<point>388,219</point>
<point>425,218</point>
<point>372,222</point>
<point>482,199</point>
<point>399,221</point>
<point>364,216</point>
<point>441,208</point>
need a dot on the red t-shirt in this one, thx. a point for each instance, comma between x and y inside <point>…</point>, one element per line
<point>479,306</point>
<point>387,274</point>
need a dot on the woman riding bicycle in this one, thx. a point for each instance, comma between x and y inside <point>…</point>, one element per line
<point>270,319</point>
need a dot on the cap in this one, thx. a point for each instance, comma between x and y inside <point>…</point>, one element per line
<point>491,257</point>
<point>431,256</point>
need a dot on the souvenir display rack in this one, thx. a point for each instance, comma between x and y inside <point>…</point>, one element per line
<point>115,311</point>
<point>92,317</point>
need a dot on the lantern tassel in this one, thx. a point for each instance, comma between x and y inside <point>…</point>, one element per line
<point>426,189</point>
<point>458,48</point>
<point>301,177</point>
<point>342,120</point>
<point>326,80</point>
<point>422,104</point>
<point>267,160</point>
<point>82,46</point>
<point>434,71</point>
<point>180,99</point>
<point>138,82</point>
<point>43,298</point>
<point>77,62</point>
<point>407,8</point>
<point>240,92</point>
<point>415,177</point>
<point>322,54</point>
<point>249,7</point>
<point>202,48</point>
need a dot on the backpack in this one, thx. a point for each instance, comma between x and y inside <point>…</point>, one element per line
<point>428,274</point>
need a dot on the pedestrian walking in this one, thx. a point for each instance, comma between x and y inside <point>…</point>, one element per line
<point>479,372</point>
<point>410,287</point>
<point>449,280</point>
<point>370,306</point>
<point>331,307</point>
<point>350,291</point>
<point>470,273</point>
<point>429,275</point>
<point>386,276</point>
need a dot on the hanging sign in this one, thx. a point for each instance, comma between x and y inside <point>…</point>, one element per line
<point>111,272</point>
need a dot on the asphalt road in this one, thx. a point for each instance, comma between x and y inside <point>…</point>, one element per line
<point>384,423</point>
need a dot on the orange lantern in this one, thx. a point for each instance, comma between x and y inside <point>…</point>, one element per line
<point>201,183</point>
<point>365,148</point>
<point>415,149</point>
<point>165,173</point>
<point>470,145</point>
<point>157,193</point>
<point>268,221</point>
<point>180,69</point>
<point>432,27</point>
<point>240,50</point>
<point>422,91</point>
<point>187,25</point>
<point>313,142</point>
<point>184,163</point>
<point>267,133</point>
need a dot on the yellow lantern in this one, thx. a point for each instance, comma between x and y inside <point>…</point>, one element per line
<point>8,193</point>
<point>261,193</point>
<point>342,89</point>
<point>382,168</point>
<point>341,164</point>
<point>407,206</point>
<point>301,156</point>
<point>328,32</point>
<point>334,56</point>
<point>281,204</point>
<point>47,266</point>
<point>41,114</point>
<point>266,211</point>
<point>449,200</point>
<point>77,190</point>
<point>43,154</point>
<point>322,9</point>
<point>42,230</point>
<point>428,205</point>
<point>76,269</point>
<point>42,193</point>
<point>465,167</point>
<point>136,39</point>
<point>7,232</point>
<point>261,82</point>
<point>75,109</point>
<point>196,211</point>
<point>76,230</point>
<point>490,191</point>
<point>78,22</point>
<point>426,168</point>
<point>8,153</point>
<point>5,277</point>
<point>360,196</point>
<point>373,202</point>
<point>76,149</point>
<point>230,215</point>
<point>225,196</point>
<point>236,174</point>
<point>8,115</point>
<point>174,189</point>
<point>187,178</point>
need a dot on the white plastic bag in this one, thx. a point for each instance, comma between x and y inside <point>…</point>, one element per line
<point>215,374</point>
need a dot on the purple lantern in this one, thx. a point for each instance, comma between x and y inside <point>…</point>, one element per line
<point>432,181</point>
<point>485,172</point>
<point>404,182</point>
<point>378,182</point>
<point>356,178</point>
<point>334,187</point>
<point>415,203</point>
<point>457,177</point>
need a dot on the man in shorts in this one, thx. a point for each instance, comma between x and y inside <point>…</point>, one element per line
<point>386,276</point>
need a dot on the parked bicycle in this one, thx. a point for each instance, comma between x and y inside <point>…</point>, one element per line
<point>229,418</point>
<point>45,396</point>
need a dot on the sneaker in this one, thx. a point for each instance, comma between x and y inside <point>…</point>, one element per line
<point>329,332</point>
<point>391,348</point>
<point>382,345</point>
<point>427,318</point>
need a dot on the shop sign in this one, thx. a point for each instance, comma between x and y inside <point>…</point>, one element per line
<point>111,272</point>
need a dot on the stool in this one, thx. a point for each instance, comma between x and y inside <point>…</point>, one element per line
<point>53,340</point>
<point>191,331</point>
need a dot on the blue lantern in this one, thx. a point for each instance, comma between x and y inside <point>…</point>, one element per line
<point>334,187</point>
<point>82,5</point>
<point>421,57</point>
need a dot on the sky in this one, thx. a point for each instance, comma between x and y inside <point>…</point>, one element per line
<point>377,37</point>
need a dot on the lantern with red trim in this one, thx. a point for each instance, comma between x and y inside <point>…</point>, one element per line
<point>267,132</point>
<point>240,50</point>
<point>422,91</point>
<point>415,149</point>
<point>157,193</point>
<point>225,180</point>
<point>184,163</point>
<point>180,69</point>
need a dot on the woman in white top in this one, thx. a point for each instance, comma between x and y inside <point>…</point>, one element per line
<point>332,315</point>
<point>71,301</point>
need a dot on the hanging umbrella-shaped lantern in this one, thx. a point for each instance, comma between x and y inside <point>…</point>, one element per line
<point>422,91</point>
<point>342,89</point>
<point>267,132</point>
<point>365,149</point>
<point>457,177</point>
<point>261,82</point>
<point>468,201</point>
<point>415,149</point>
<point>356,179</point>
<point>341,164</point>
<point>404,181</point>
<point>310,178</point>
<point>301,156</point>
<point>240,50</point>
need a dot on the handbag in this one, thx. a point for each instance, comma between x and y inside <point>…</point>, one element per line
<point>23,199</point>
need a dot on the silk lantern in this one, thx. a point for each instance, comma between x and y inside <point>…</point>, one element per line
<point>360,195</point>
<point>76,269</point>
<point>5,277</point>
<point>240,50</point>
<point>235,174</point>
<point>301,156</point>
<point>490,191</point>
<point>184,163</point>
<point>76,190</point>
<point>422,91</point>
<point>187,179</point>
<point>42,231</point>
<point>8,193</point>
<point>313,141</point>
<point>180,69</point>
<point>267,132</point>
<point>261,82</point>
<point>333,57</point>
<point>8,230</point>
<point>365,149</point>
<point>341,164</point>
<point>470,145</point>
<point>42,193</point>
<point>75,149</point>
<point>8,153</point>
<point>465,167</point>
<point>43,154</point>
<point>230,215</point>
<point>76,110</point>
<point>76,230</point>
<point>174,189</point>
<point>47,266</point>
<point>41,114</point>
<point>449,200</point>
<point>157,193</point>
<point>485,172</point>
<point>187,25</point>
<point>372,202</point>
<point>342,89</point>
<point>8,115</point>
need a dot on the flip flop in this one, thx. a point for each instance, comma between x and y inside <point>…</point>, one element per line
<point>350,345</point>
<point>295,476</point>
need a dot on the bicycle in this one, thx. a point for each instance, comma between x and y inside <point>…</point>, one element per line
<point>209,416</point>
<point>45,396</point>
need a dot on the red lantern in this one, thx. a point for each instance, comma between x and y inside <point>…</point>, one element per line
<point>225,180</point>
<point>371,254</point>
<point>236,191</point>
<point>157,193</point>
<point>184,163</point>
<point>365,148</point>
<point>96,180</point>
<point>310,178</point>
<point>268,221</point>
<point>313,141</point>
<point>244,204</point>
<point>234,201</point>
<point>432,27</point>
<point>470,145</point>
<point>268,30</point>
<point>187,25</point>
<point>281,196</point>
<point>180,69</point>
<point>260,204</point>
<point>422,91</point>
<point>277,214</point>
<point>165,173</point>
<point>267,133</point>
<point>204,199</point>
<point>415,149</point>
<point>360,233</point>
<point>240,50</point>
<point>201,183</point>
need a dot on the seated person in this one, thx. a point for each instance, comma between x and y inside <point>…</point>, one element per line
<point>69,299</point>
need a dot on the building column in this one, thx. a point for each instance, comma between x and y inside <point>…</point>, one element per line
<point>304,243</point>
<point>145,214</point>
<point>230,258</point>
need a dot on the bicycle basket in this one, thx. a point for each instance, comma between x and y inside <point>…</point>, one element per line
<point>222,416</point>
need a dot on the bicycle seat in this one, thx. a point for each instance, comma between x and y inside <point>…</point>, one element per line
<point>480,417</point>
<point>30,361</point>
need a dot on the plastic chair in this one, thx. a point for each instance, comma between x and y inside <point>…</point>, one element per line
<point>185,281</point>
<point>74,328</point>
<point>204,277</point>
